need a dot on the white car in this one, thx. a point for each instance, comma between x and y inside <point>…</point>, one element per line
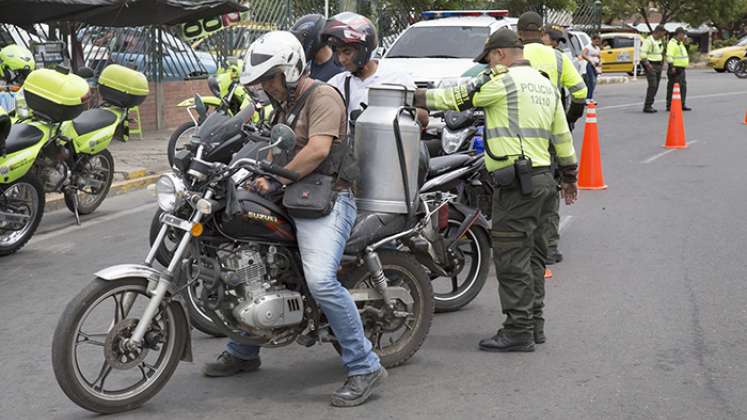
<point>438,49</point>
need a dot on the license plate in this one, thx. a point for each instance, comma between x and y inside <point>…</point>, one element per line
<point>176,222</point>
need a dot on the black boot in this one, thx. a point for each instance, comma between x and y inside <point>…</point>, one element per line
<point>539,331</point>
<point>503,342</point>
<point>554,258</point>
<point>650,110</point>
<point>358,388</point>
<point>228,365</point>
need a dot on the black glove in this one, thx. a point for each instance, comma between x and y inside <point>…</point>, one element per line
<point>575,111</point>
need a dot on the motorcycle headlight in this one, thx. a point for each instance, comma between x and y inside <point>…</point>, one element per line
<point>170,191</point>
<point>214,86</point>
<point>451,141</point>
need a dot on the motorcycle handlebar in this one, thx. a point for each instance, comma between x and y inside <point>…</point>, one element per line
<point>280,171</point>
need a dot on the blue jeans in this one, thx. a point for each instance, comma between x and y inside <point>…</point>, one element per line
<point>590,77</point>
<point>321,243</point>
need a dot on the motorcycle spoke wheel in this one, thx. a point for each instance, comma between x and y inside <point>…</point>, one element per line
<point>25,198</point>
<point>459,283</point>
<point>94,180</point>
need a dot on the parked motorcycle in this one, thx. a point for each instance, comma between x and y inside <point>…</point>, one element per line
<point>230,97</point>
<point>61,148</point>
<point>120,339</point>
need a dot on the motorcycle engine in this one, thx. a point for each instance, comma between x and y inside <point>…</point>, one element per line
<point>262,305</point>
<point>53,170</point>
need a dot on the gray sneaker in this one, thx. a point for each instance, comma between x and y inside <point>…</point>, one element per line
<point>228,365</point>
<point>357,389</point>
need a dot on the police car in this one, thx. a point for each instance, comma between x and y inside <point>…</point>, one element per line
<point>443,45</point>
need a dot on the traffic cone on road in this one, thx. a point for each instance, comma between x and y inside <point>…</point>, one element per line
<point>676,130</point>
<point>590,169</point>
<point>548,273</point>
<point>745,118</point>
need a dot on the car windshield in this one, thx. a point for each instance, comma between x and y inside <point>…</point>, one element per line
<point>742,42</point>
<point>440,42</point>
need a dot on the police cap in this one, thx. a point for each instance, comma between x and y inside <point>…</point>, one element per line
<point>502,38</point>
<point>529,21</point>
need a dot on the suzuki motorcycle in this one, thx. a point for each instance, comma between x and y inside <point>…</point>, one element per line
<point>121,338</point>
<point>61,148</point>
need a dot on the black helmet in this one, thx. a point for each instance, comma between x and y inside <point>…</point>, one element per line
<point>352,29</point>
<point>308,30</point>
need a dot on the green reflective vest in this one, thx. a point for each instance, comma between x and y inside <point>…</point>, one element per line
<point>677,53</point>
<point>558,67</point>
<point>522,111</point>
<point>652,49</point>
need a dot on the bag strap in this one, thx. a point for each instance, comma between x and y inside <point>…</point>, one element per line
<point>346,99</point>
<point>292,116</point>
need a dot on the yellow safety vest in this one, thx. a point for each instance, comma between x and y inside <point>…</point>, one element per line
<point>677,54</point>
<point>522,112</point>
<point>558,67</point>
<point>652,49</point>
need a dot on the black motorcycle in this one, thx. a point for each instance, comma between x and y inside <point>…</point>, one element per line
<point>121,338</point>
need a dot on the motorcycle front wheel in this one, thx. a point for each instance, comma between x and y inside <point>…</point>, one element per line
<point>94,179</point>
<point>179,139</point>
<point>740,69</point>
<point>91,361</point>
<point>21,209</point>
<point>395,339</point>
<point>462,287</point>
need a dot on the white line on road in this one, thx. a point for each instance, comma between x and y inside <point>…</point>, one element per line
<point>564,223</point>
<point>90,223</point>
<point>714,95</point>
<point>664,153</point>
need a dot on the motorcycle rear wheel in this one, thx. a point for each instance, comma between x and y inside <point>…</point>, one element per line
<point>401,270</point>
<point>25,196</point>
<point>100,167</point>
<point>168,333</point>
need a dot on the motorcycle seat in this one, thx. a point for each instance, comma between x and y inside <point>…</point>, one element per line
<point>370,227</point>
<point>443,164</point>
<point>92,120</point>
<point>22,136</point>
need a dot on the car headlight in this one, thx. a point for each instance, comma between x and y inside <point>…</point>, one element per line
<point>446,83</point>
<point>170,191</point>
<point>451,141</point>
<point>717,55</point>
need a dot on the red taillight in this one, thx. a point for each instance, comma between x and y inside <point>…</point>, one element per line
<point>443,218</point>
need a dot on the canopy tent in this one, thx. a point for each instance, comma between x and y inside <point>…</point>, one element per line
<point>118,13</point>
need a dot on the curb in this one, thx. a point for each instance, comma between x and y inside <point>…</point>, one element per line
<point>611,80</point>
<point>135,179</point>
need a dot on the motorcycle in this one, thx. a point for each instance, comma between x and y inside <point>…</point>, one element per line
<point>740,70</point>
<point>61,148</point>
<point>252,285</point>
<point>230,97</point>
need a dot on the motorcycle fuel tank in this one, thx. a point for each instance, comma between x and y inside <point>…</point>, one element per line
<point>259,220</point>
<point>385,166</point>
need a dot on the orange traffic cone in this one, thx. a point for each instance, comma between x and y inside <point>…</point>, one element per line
<point>590,173</point>
<point>548,273</point>
<point>676,131</point>
<point>745,118</point>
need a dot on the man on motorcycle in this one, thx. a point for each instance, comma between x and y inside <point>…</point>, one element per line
<point>355,41</point>
<point>277,62</point>
<point>322,64</point>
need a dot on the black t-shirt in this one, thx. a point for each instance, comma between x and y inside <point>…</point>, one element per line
<point>325,71</point>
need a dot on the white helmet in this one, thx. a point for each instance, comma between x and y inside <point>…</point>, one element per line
<point>273,52</point>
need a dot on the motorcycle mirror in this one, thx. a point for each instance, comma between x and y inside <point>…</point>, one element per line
<point>200,107</point>
<point>282,137</point>
<point>85,72</point>
<point>5,124</point>
<point>214,85</point>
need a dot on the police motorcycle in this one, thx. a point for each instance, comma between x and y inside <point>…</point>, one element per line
<point>121,338</point>
<point>229,98</point>
<point>61,147</point>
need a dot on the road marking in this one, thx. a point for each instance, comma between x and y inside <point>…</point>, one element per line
<point>664,153</point>
<point>564,223</point>
<point>714,95</point>
<point>90,223</point>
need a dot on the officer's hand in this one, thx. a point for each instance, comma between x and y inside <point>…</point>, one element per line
<point>649,67</point>
<point>569,192</point>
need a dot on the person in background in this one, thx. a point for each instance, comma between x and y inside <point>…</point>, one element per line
<point>592,55</point>
<point>678,59</point>
<point>652,56</point>
<point>322,65</point>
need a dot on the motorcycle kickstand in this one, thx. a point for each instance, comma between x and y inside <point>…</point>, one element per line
<point>75,207</point>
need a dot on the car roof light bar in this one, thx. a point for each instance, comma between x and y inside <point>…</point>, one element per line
<point>439,14</point>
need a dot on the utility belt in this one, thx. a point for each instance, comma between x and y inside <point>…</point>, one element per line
<point>519,175</point>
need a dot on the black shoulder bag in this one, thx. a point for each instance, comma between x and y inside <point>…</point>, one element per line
<point>314,196</point>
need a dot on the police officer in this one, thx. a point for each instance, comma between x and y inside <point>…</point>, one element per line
<point>559,68</point>
<point>652,55</point>
<point>523,116</point>
<point>678,59</point>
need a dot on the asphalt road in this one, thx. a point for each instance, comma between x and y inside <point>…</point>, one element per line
<point>645,316</point>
